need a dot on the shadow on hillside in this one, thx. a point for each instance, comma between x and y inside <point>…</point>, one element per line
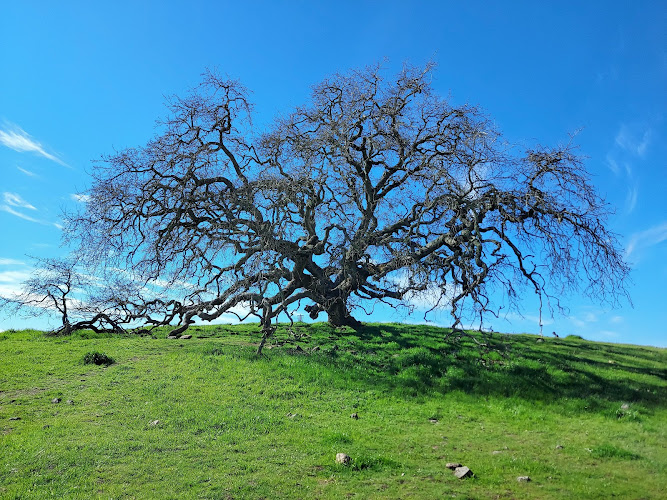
<point>420,361</point>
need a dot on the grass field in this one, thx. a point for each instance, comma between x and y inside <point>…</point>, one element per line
<point>207,418</point>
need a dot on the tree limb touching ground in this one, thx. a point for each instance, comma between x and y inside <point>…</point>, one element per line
<point>378,190</point>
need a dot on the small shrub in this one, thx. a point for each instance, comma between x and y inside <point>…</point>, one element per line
<point>97,358</point>
<point>374,463</point>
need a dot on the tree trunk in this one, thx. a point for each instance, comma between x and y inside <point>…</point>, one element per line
<point>340,316</point>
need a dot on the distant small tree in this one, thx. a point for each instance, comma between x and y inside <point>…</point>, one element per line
<point>378,190</point>
<point>57,286</point>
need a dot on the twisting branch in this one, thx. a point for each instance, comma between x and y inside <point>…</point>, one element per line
<point>378,190</point>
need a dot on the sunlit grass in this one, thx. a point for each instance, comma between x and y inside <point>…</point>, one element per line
<point>207,418</point>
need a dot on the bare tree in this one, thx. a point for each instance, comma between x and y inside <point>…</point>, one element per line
<point>376,191</point>
<point>58,286</point>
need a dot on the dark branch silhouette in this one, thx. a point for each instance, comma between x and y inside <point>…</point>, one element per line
<point>378,190</point>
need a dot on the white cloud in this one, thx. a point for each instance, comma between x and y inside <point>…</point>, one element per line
<point>631,197</point>
<point>10,210</point>
<point>613,164</point>
<point>12,281</point>
<point>16,138</point>
<point>27,172</point>
<point>11,262</point>
<point>646,239</point>
<point>82,198</point>
<point>13,277</point>
<point>15,200</point>
<point>632,141</point>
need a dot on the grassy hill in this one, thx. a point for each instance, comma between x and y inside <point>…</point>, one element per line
<point>206,418</point>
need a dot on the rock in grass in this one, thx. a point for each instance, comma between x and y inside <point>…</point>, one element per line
<point>14,418</point>
<point>56,400</point>
<point>452,465</point>
<point>463,472</point>
<point>355,416</point>
<point>154,423</point>
<point>343,458</point>
<point>172,337</point>
<point>188,336</point>
<point>523,479</point>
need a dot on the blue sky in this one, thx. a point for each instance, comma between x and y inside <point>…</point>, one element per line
<point>80,79</point>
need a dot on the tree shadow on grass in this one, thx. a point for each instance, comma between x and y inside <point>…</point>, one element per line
<point>419,360</point>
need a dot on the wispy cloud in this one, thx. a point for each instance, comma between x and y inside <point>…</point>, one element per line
<point>604,335</point>
<point>14,204</point>
<point>631,145</point>
<point>631,197</point>
<point>16,138</point>
<point>11,262</point>
<point>15,200</point>
<point>645,239</point>
<point>10,210</point>
<point>632,140</point>
<point>27,172</point>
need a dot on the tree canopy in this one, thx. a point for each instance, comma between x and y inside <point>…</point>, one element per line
<point>377,190</point>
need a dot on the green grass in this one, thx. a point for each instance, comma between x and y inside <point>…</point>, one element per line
<point>207,418</point>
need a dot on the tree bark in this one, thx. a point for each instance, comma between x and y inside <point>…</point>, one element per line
<point>340,316</point>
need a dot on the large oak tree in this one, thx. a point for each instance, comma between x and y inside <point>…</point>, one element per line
<point>376,190</point>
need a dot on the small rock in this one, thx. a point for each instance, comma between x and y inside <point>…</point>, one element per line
<point>56,400</point>
<point>292,415</point>
<point>540,340</point>
<point>523,479</point>
<point>625,406</point>
<point>46,426</point>
<point>343,458</point>
<point>463,472</point>
<point>172,337</point>
<point>433,420</point>
<point>559,446</point>
<point>496,452</point>
<point>154,423</point>
<point>452,465</point>
<point>355,416</point>
<point>70,402</point>
<point>14,418</point>
<point>186,337</point>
